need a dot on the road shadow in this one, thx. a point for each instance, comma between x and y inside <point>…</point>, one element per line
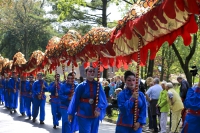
<point>18,117</point>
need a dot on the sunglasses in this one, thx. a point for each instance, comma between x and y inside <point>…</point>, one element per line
<point>91,71</point>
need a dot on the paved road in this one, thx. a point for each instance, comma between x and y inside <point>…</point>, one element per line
<point>16,123</point>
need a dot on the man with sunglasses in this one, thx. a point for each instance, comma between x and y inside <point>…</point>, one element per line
<point>54,89</point>
<point>13,85</point>
<point>84,104</point>
<point>29,96</point>
<point>39,98</point>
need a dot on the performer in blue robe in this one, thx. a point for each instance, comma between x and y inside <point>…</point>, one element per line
<point>29,96</point>
<point>2,84</point>
<point>13,85</point>
<point>39,98</point>
<point>54,88</point>
<point>65,95</point>
<point>23,94</point>
<point>6,93</point>
<point>126,103</point>
<point>192,104</point>
<point>83,102</point>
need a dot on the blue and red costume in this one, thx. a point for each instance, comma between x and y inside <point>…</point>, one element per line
<point>126,116</point>
<point>23,94</point>
<point>55,102</point>
<point>29,97</point>
<point>39,102</point>
<point>6,94</point>
<point>64,94</point>
<point>2,84</point>
<point>13,85</point>
<point>83,102</point>
<point>192,104</point>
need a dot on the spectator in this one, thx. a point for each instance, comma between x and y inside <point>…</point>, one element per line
<point>106,89</point>
<point>152,96</point>
<point>176,106</point>
<point>112,86</point>
<point>113,103</point>
<point>81,79</point>
<point>118,82</point>
<point>183,91</point>
<point>142,87</point>
<point>149,83</point>
<point>163,107</point>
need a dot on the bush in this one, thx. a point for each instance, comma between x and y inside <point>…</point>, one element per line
<point>50,78</point>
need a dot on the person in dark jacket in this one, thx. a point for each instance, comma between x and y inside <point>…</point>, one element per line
<point>183,92</point>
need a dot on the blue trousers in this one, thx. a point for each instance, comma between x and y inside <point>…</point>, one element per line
<point>6,98</point>
<point>37,103</point>
<point>1,95</point>
<point>123,129</point>
<point>68,127</point>
<point>14,100</point>
<point>28,101</point>
<point>22,105</point>
<point>191,124</point>
<point>56,113</point>
<point>88,125</point>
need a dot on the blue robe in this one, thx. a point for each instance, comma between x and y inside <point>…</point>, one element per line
<point>55,103</point>
<point>13,85</point>
<point>86,90</point>
<point>2,84</point>
<point>126,116</point>
<point>23,94</point>
<point>39,103</point>
<point>7,94</point>
<point>29,97</point>
<point>192,101</point>
<point>64,95</point>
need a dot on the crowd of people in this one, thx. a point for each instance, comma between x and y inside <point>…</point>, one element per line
<point>82,105</point>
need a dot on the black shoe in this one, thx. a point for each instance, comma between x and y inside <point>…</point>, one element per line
<point>11,111</point>
<point>15,111</point>
<point>29,117</point>
<point>23,114</point>
<point>34,119</point>
<point>41,122</point>
<point>54,126</point>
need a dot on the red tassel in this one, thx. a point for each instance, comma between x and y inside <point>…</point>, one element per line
<point>193,6</point>
<point>180,5</point>
<point>68,63</point>
<point>101,69</point>
<point>86,64</point>
<point>111,62</point>
<point>169,8</point>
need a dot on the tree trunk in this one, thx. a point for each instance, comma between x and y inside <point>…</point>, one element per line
<point>150,68</point>
<point>185,66</point>
<point>162,64</point>
<point>142,72</point>
<point>104,23</point>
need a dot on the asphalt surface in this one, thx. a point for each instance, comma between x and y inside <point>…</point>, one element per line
<point>15,123</point>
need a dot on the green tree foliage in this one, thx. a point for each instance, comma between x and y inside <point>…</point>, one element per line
<point>185,55</point>
<point>24,27</point>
